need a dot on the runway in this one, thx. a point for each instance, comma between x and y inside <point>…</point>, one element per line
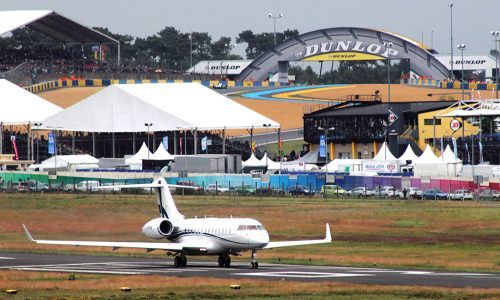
<point>145,266</point>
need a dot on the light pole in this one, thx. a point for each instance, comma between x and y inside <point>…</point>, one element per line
<point>37,125</point>
<point>280,15</point>
<point>327,157</point>
<point>495,35</point>
<point>148,125</point>
<point>461,47</point>
<point>267,148</point>
<point>451,39</point>
<point>388,46</point>
<point>229,47</point>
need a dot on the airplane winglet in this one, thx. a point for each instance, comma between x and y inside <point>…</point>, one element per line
<point>28,234</point>
<point>328,236</point>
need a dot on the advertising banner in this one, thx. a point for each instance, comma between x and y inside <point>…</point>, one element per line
<point>165,142</point>
<point>381,166</point>
<point>322,146</point>
<point>204,143</point>
<point>52,144</point>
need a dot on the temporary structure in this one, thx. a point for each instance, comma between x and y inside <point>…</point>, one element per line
<point>162,154</point>
<point>253,162</point>
<point>67,162</point>
<point>448,156</point>
<point>408,155</point>
<point>135,162</point>
<point>19,106</point>
<point>166,106</point>
<point>427,156</point>
<point>384,154</point>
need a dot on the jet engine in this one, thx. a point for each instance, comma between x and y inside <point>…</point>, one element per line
<point>159,228</point>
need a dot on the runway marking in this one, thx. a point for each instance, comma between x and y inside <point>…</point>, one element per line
<point>3,257</point>
<point>297,274</point>
<point>78,271</point>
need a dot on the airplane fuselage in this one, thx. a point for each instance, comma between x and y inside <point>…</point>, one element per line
<point>220,236</point>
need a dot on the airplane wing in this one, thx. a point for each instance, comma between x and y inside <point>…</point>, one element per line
<point>174,247</point>
<point>327,239</point>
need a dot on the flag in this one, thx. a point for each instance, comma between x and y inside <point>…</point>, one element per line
<point>454,141</point>
<point>480,152</point>
<point>441,146</point>
<point>180,143</point>
<point>467,149</point>
<point>52,143</point>
<point>322,146</point>
<point>204,143</point>
<point>13,140</point>
<point>165,142</point>
<point>254,145</point>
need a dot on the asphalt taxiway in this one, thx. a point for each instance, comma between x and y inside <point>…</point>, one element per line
<point>144,266</point>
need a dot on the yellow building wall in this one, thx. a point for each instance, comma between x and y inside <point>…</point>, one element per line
<point>442,130</point>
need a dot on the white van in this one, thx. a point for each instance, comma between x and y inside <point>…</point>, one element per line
<point>88,186</point>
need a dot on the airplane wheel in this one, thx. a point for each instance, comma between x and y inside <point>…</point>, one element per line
<point>177,262</point>
<point>183,261</point>
<point>227,262</point>
<point>221,260</point>
<point>254,265</point>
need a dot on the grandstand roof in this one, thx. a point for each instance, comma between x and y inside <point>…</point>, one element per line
<point>51,24</point>
<point>18,106</point>
<point>167,106</point>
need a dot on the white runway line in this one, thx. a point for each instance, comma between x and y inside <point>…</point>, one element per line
<point>292,274</point>
<point>3,257</point>
<point>77,271</point>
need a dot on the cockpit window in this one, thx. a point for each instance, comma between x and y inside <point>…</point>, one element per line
<point>260,227</point>
<point>251,227</point>
<point>242,227</point>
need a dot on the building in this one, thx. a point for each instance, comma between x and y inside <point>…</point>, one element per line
<point>356,129</point>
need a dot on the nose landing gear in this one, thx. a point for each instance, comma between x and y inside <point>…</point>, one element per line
<point>254,264</point>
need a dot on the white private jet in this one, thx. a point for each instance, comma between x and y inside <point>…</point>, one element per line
<point>198,236</point>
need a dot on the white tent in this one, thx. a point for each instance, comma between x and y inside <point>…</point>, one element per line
<point>428,157</point>
<point>135,161</point>
<point>448,156</point>
<point>408,155</point>
<point>339,165</point>
<point>69,162</point>
<point>167,106</point>
<point>271,164</point>
<point>384,153</point>
<point>162,154</point>
<point>253,162</point>
<point>19,106</point>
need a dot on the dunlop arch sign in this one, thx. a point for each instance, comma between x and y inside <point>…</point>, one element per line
<point>344,44</point>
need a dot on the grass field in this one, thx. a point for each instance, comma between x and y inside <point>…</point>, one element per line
<point>383,233</point>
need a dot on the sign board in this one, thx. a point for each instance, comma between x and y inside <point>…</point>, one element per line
<point>209,142</point>
<point>52,147</point>
<point>455,124</point>
<point>330,178</point>
<point>381,166</point>
<point>392,117</point>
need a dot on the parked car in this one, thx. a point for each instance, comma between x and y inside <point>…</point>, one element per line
<point>216,188</point>
<point>361,192</point>
<point>244,189</point>
<point>434,194</point>
<point>36,186</point>
<point>300,190</point>
<point>332,190</point>
<point>193,188</point>
<point>22,186</point>
<point>385,191</point>
<point>489,195</point>
<point>411,193</point>
<point>461,195</point>
<point>88,185</point>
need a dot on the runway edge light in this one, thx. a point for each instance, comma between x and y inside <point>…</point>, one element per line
<point>235,286</point>
<point>125,289</point>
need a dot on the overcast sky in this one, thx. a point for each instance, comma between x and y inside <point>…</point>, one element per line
<point>472,20</point>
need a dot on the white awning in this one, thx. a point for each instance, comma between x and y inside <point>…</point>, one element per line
<point>167,106</point>
<point>18,106</point>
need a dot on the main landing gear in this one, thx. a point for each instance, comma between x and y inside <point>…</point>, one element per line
<point>254,264</point>
<point>224,261</point>
<point>180,261</point>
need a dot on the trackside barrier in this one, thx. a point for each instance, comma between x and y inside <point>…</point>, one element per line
<point>451,85</point>
<point>278,184</point>
<point>40,87</point>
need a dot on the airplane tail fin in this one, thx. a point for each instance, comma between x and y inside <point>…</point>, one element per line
<point>164,199</point>
<point>166,204</point>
